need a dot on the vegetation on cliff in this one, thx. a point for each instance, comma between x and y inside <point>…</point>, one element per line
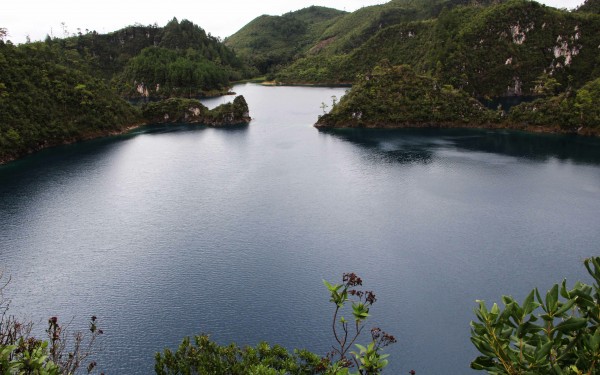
<point>67,89</point>
<point>590,6</point>
<point>486,48</point>
<point>489,51</point>
<point>110,54</point>
<point>269,43</point>
<point>48,97</point>
<point>574,111</point>
<point>396,96</point>
<point>181,60</point>
<point>180,110</point>
<point>159,72</point>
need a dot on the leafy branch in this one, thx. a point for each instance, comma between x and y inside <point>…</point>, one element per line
<point>367,359</point>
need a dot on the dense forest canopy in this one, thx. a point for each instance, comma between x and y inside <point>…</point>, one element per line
<point>394,96</point>
<point>68,89</point>
<point>397,97</point>
<point>48,97</point>
<point>270,42</point>
<point>487,48</point>
<point>590,6</point>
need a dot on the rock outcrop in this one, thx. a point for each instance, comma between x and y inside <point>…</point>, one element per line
<point>192,111</point>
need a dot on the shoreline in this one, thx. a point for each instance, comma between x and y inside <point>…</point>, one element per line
<point>533,129</point>
<point>303,84</point>
<point>124,129</point>
<point>112,133</point>
<point>70,141</point>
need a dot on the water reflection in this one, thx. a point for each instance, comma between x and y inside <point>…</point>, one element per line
<point>388,145</point>
<point>185,127</point>
<point>419,145</point>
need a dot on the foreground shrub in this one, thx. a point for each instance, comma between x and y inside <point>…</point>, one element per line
<point>203,356</point>
<point>65,351</point>
<point>558,334</point>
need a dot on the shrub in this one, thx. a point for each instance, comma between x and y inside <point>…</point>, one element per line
<point>204,356</point>
<point>558,334</point>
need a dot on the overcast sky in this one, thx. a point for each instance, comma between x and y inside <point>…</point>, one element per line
<point>36,18</point>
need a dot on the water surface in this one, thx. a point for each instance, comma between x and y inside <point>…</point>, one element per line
<point>178,230</point>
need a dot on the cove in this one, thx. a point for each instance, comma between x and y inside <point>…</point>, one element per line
<point>176,230</point>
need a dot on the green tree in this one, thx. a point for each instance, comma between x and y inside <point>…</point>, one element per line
<point>583,103</point>
<point>546,85</point>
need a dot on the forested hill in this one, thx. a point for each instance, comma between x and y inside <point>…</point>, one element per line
<point>269,42</point>
<point>398,97</point>
<point>486,48</point>
<point>590,6</point>
<point>48,97</point>
<point>179,59</point>
<point>68,89</point>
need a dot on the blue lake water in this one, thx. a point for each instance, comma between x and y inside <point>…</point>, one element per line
<point>173,231</point>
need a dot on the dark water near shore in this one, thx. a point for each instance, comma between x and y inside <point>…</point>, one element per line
<point>177,230</point>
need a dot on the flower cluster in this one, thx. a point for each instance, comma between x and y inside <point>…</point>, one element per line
<point>382,338</point>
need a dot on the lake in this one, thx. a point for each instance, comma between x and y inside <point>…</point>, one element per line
<point>176,230</point>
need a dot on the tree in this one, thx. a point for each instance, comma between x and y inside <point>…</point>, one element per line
<point>546,85</point>
<point>583,103</point>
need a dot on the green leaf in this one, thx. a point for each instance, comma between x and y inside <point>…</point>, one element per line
<point>552,300</point>
<point>542,351</point>
<point>483,363</point>
<point>332,288</point>
<point>565,306</point>
<point>563,289</point>
<point>571,324</point>
<point>529,304</point>
<point>594,342</point>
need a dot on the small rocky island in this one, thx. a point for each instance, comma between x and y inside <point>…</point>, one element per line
<point>192,111</point>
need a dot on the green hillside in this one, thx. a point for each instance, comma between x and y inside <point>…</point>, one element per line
<point>396,96</point>
<point>269,42</point>
<point>48,98</point>
<point>495,50</point>
<point>191,61</point>
<point>590,6</point>
<point>64,90</point>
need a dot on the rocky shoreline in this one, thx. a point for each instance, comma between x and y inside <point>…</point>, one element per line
<point>173,110</point>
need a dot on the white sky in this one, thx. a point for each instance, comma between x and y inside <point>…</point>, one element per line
<point>37,18</point>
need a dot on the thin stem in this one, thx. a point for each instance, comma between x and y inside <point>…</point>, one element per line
<point>358,331</point>
<point>334,325</point>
